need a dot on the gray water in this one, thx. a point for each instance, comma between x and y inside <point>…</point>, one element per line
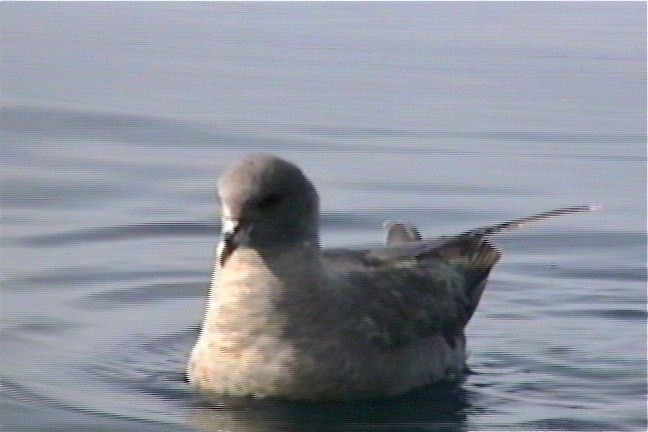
<point>117,119</point>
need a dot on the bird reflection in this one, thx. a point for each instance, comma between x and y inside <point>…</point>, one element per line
<point>441,407</point>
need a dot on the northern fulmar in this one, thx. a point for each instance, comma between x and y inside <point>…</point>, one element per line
<point>288,319</point>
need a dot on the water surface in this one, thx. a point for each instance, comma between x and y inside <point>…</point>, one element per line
<point>117,119</point>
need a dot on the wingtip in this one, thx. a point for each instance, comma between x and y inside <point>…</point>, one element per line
<point>578,209</point>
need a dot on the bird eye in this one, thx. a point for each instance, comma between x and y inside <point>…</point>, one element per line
<point>269,201</point>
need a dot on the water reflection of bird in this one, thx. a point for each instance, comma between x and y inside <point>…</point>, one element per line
<point>443,407</point>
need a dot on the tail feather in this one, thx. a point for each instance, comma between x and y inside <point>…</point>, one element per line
<point>401,232</point>
<point>474,260</point>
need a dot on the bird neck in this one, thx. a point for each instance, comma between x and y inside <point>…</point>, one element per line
<point>257,290</point>
<point>269,271</point>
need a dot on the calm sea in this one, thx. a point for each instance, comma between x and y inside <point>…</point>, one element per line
<point>117,118</point>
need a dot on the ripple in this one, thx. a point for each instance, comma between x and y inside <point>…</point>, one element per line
<point>592,241</point>
<point>144,294</point>
<point>615,314</point>
<point>637,274</point>
<point>515,136</point>
<point>435,189</point>
<point>123,232</point>
<point>62,122</point>
<point>16,391</point>
<point>37,325</point>
<point>569,424</point>
<point>81,276</point>
<point>51,414</point>
<point>20,192</point>
<point>153,365</point>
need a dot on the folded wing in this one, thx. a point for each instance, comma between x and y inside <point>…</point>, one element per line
<point>413,288</point>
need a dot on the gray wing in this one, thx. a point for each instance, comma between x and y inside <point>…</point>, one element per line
<point>400,294</point>
<point>413,288</point>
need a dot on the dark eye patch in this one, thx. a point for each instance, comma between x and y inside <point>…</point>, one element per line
<point>269,201</point>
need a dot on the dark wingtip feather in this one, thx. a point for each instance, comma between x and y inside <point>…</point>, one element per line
<point>520,223</point>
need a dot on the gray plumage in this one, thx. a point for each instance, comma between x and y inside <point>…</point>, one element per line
<point>287,319</point>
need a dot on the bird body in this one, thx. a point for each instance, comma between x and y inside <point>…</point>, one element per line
<point>287,319</point>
